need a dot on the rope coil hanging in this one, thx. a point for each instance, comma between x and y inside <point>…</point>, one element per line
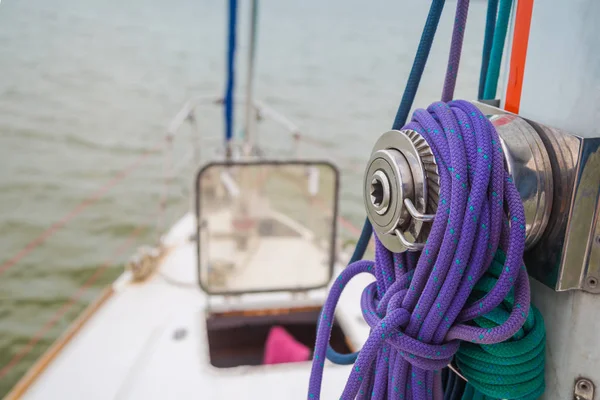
<point>511,369</point>
<point>492,314</point>
<point>418,308</point>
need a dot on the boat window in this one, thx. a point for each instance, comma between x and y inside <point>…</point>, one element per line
<point>265,226</point>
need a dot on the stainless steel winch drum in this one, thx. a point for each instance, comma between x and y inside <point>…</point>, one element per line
<point>401,191</point>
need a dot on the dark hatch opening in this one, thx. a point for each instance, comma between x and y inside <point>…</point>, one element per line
<point>239,339</point>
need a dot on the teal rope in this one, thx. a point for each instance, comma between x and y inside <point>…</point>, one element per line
<point>493,72</point>
<point>509,370</point>
<point>490,27</point>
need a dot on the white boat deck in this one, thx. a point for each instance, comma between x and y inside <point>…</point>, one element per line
<point>129,348</point>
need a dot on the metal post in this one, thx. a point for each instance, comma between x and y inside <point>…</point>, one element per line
<point>167,173</point>
<point>249,139</point>
<point>196,135</point>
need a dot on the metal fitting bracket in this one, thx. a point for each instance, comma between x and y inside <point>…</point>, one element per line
<point>584,389</point>
<point>563,213</point>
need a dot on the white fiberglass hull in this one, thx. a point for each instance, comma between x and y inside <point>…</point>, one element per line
<point>148,340</point>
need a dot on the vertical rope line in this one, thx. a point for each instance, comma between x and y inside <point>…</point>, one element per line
<point>490,26</point>
<point>458,33</point>
<point>230,85</point>
<point>493,72</point>
<point>433,19</point>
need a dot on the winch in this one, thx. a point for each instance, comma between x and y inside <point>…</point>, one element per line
<point>401,189</point>
<point>554,172</point>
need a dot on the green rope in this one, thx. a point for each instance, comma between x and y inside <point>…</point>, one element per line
<point>509,370</point>
<point>493,71</point>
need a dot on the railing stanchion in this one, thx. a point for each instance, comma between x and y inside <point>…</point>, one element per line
<point>167,173</point>
<point>196,135</point>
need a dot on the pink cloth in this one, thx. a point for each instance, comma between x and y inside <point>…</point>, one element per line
<point>281,348</point>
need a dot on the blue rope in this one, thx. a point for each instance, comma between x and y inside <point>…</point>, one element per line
<point>493,72</point>
<point>233,5</point>
<point>490,26</point>
<point>363,242</point>
<point>433,18</point>
<point>410,91</point>
<point>359,252</point>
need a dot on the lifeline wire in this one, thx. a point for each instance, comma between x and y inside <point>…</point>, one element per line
<point>408,97</point>
<point>417,309</point>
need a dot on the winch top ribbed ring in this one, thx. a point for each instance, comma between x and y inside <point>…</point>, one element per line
<point>401,162</point>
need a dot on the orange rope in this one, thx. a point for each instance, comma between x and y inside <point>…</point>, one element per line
<point>518,56</point>
<point>93,198</point>
<point>69,304</point>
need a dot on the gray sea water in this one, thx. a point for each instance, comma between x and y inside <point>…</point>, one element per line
<point>86,86</point>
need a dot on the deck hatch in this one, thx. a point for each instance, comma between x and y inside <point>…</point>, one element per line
<point>266,225</point>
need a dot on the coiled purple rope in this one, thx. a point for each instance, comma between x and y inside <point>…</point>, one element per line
<point>417,307</point>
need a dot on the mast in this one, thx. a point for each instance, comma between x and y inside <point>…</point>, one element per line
<point>249,131</point>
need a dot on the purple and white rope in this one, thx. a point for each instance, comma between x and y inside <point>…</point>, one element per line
<point>458,33</point>
<point>417,307</point>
